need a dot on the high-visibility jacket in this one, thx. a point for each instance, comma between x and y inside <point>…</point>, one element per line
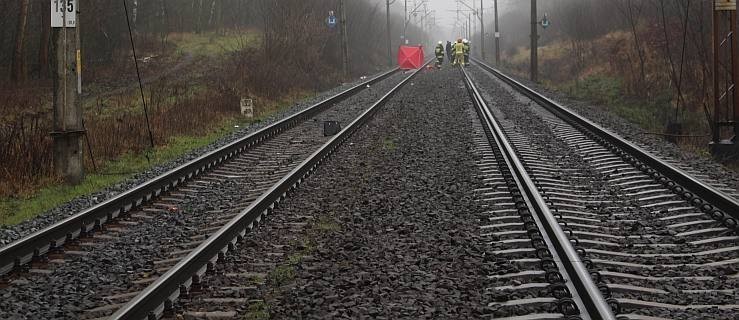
<point>459,48</point>
<point>466,48</point>
<point>439,50</point>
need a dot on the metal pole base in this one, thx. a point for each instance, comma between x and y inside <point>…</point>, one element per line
<point>725,149</point>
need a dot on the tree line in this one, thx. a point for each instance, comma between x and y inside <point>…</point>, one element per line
<point>25,38</point>
<point>287,51</point>
<point>654,47</point>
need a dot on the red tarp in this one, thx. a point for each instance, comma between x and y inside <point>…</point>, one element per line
<point>410,57</point>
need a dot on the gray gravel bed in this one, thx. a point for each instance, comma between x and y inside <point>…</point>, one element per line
<point>525,121</point>
<point>632,132</point>
<point>114,265</point>
<point>401,195</point>
<point>12,233</point>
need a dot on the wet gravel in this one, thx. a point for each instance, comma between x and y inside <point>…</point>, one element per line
<point>405,243</point>
<point>12,233</point>
<point>601,115</point>
<point>112,266</point>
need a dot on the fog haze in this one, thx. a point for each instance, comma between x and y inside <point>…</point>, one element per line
<point>451,15</point>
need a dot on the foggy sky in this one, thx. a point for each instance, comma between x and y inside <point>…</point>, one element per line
<point>446,19</point>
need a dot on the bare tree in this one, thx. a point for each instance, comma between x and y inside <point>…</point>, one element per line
<point>18,72</point>
<point>135,16</point>
<point>212,14</point>
<point>43,57</point>
<point>675,70</point>
<point>576,29</point>
<point>632,13</point>
<point>163,25</point>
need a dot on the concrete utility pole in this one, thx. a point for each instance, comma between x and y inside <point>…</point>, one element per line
<point>344,39</point>
<point>424,22</point>
<point>725,127</point>
<point>469,26</point>
<point>534,43</point>
<point>405,21</point>
<point>68,130</point>
<point>389,37</point>
<point>472,24</point>
<point>497,35</point>
<point>482,30</point>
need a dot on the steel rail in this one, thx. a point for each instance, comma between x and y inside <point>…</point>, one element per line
<point>160,295</point>
<point>17,254</point>
<point>712,199</point>
<point>591,303</point>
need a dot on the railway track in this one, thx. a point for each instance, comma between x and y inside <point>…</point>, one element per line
<point>188,273</point>
<point>657,243</point>
<point>577,223</point>
<point>369,196</point>
<point>126,243</point>
<point>542,276</point>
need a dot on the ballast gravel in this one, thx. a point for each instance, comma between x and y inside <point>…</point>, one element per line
<point>528,123</point>
<point>400,191</point>
<point>9,234</point>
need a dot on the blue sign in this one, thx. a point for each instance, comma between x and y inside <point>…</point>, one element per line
<point>545,22</point>
<point>331,21</point>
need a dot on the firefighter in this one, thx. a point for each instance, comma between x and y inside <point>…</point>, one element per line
<point>439,54</point>
<point>459,52</point>
<point>449,52</point>
<point>466,52</point>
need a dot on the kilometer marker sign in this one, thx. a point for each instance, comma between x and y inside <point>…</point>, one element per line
<point>61,9</point>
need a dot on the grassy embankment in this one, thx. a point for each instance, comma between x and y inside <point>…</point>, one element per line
<point>202,48</point>
<point>600,82</point>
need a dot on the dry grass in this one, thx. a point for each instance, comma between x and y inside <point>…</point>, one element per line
<point>191,104</point>
<point>26,155</point>
<point>24,136</point>
<point>606,76</point>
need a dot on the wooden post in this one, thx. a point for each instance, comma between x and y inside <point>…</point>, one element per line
<point>67,125</point>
